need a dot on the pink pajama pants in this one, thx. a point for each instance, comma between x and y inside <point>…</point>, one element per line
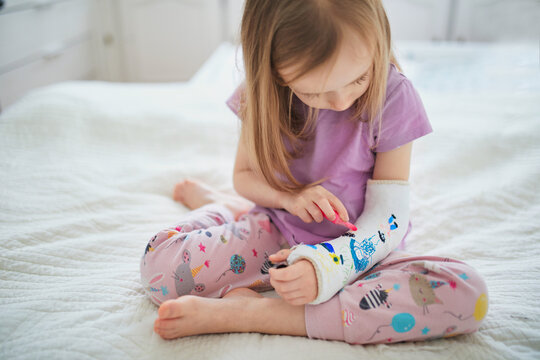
<point>402,298</point>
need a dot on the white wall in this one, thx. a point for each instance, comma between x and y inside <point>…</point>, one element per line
<point>421,20</point>
<point>449,20</point>
<point>464,20</point>
<point>46,41</point>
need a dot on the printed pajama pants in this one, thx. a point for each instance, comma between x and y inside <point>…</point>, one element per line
<point>402,298</point>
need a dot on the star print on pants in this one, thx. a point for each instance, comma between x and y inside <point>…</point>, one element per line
<point>202,248</point>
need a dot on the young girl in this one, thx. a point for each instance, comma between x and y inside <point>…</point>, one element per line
<point>328,122</point>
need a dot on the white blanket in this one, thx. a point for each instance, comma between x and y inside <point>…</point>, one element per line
<point>87,171</point>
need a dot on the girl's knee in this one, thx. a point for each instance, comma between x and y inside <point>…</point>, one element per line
<point>158,275</point>
<point>457,287</point>
<point>422,300</point>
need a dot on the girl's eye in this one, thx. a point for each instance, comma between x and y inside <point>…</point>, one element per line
<point>361,80</point>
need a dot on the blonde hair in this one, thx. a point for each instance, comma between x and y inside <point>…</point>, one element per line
<point>276,34</point>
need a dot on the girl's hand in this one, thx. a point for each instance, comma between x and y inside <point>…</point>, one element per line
<point>307,204</point>
<point>297,283</point>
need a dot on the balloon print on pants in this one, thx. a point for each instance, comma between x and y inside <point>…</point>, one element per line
<point>401,323</point>
<point>237,265</point>
<point>480,309</point>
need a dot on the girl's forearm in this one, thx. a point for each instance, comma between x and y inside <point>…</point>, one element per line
<point>256,189</point>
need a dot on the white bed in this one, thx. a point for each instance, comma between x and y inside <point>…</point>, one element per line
<point>87,171</point>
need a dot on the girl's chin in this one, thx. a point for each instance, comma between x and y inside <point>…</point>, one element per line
<point>337,109</point>
<point>331,108</point>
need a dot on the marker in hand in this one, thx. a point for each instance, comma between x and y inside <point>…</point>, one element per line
<point>281,260</point>
<point>280,265</point>
<point>338,220</point>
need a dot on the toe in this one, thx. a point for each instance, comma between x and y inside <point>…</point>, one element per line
<point>163,311</point>
<point>178,192</point>
<point>169,329</point>
<point>157,328</point>
<point>163,333</point>
<point>190,182</point>
<point>167,325</point>
<point>169,309</point>
<point>175,308</point>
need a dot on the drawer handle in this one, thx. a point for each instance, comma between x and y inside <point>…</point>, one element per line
<point>42,4</point>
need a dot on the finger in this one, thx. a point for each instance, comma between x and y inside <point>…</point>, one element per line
<point>339,207</point>
<point>283,253</point>
<point>315,212</point>
<point>277,288</point>
<point>305,216</point>
<point>275,285</point>
<point>291,291</point>
<point>287,274</point>
<point>279,256</point>
<point>287,287</point>
<point>327,209</point>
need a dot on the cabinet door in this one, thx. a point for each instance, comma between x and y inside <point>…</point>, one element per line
<point>167,40</point>
<point>43,43</point>
<point>496,20</point>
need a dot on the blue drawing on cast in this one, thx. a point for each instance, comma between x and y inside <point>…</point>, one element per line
<point>367,247</point>
<point>328,247</point>
<point>391,219</point>
<point>361,253</point>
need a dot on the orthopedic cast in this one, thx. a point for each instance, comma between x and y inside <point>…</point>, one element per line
<point>381,227</point>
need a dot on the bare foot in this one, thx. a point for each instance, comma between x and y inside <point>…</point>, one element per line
<point>193,315</point>
<point>241,312</point>
<point>194,194</point>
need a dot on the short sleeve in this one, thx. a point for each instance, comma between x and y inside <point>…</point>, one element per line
<point>404,118</point>
<point>235,101</point>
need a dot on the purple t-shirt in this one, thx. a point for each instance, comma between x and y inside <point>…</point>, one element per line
<point>340,151</point>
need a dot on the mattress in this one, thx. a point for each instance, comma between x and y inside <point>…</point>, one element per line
<point>87,172</point>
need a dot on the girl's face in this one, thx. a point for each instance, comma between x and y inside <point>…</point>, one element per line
<point>335,86</point>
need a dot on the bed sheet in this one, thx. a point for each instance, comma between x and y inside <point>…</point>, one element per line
<point>88,168</point>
